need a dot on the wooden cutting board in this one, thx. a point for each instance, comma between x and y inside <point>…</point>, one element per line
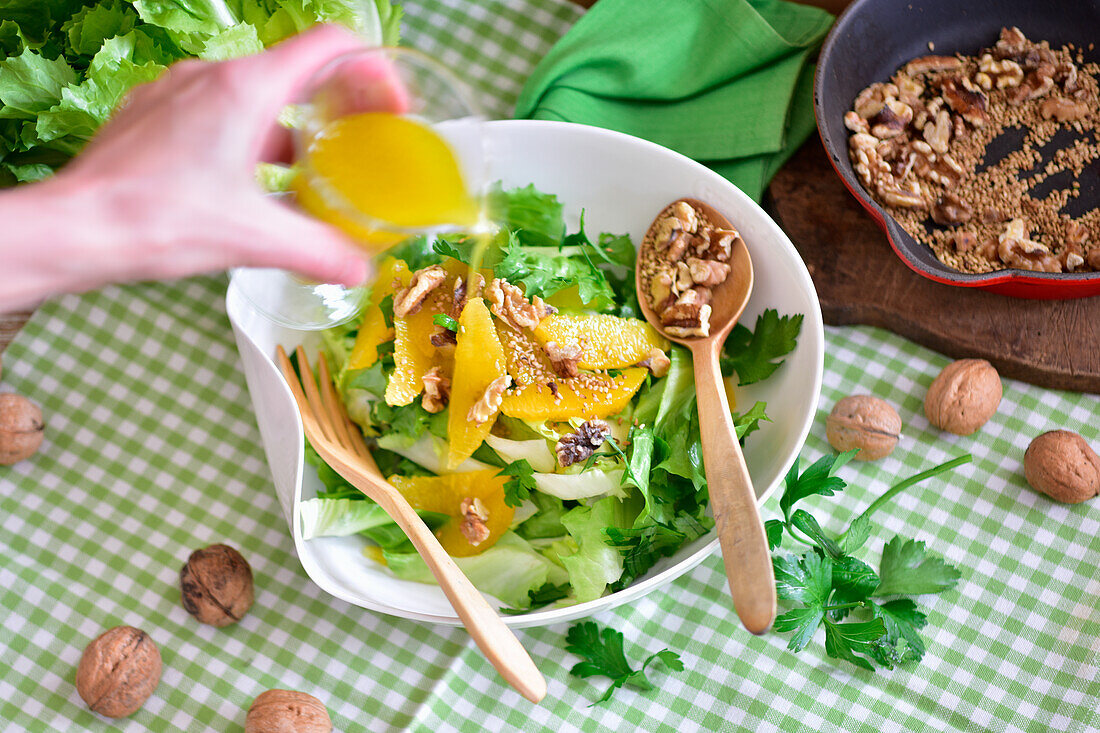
<point>859,279</point>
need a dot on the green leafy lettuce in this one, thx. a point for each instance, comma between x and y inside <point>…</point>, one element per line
<point>510,570</point>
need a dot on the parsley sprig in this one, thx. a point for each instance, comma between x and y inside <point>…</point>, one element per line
<point>445,321</point>
<point>602,654</point>
<point>520,483</point>
<point>755,354</point>
<point>866,614</point>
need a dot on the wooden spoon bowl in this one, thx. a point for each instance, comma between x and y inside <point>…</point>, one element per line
<point>732,497</point>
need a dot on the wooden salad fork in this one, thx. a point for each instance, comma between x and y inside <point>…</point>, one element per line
<point>338,441</point>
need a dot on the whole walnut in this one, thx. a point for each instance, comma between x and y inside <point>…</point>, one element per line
<point>118,671</point>
<point>866,423</point>
<point>1063,466</point>
<point>287,711</point>
<point>216,584</point>
<point>21,428</point>
<point>964,396</point>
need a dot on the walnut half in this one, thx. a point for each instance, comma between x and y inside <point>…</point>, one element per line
<point>489,402</point>
<point>409,300</point>
<point>563,357</point>
<point>474,515</point>
<point>509,304</point>
<point>578,445</point>
<point>657,362</point>
<point>688,316</point>
<point>437,390</point>
<point>1016,250</point>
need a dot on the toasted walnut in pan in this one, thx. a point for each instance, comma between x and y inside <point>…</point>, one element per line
<point>919,144</point>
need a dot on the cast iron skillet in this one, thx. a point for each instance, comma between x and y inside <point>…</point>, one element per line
<point>872,38</point>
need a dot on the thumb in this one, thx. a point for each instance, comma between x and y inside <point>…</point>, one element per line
<point>293,241</point>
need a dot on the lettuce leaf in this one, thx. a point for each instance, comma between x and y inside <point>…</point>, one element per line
<point>86,31</point>
<point>84,107</point>
<point>186,16</point>
<point>509,570</point>
<point>546,522</point>
<point>30,83</point>
<point>536,217</point>
<point>339,517</point>
<point>595,564</point>
<point>343,517</point>
<point>231,42</point>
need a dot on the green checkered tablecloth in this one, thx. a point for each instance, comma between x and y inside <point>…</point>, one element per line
<point>152,451</point>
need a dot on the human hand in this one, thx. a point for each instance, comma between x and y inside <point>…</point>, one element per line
<point>167,187</point>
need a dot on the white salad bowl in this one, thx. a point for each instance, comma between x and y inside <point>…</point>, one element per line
<point>620,182</point>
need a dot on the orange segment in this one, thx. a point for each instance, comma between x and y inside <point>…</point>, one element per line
<point>609,342</point>
<point>445,494</point>
<point>479,360</point>
<point>373,330</point>
<point>413,355</point>
<point>525,359</point>
<point>585,396</point>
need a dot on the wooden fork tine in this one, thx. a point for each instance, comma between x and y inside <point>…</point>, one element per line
<point>309,420</point>
<point>357,443</point>
<point>332,406</point>
<point>309,384</point>
<point>291,379</point>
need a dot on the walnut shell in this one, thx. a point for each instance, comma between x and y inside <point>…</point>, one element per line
<point>216,584</point>
<point>287,711</point>
<point>866,423</point>
<point>964,396</point>
<point>21,428</point>
<point>1063,466</point>
<point>118,671</point>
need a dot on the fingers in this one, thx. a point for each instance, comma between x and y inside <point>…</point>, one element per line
<point>284,68</point>
<point>367,81</point>
<point>293,241</point>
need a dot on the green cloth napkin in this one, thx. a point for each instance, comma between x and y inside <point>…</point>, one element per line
<point>726,82</point>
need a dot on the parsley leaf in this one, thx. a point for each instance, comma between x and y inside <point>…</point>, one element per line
<point>444,320</point>
<point>807,579</point>
<point>521,483</point>
<point>641,548</point>
<point>826,584</point>
<point>815,480</point>
<point>461,247</point>
<point>903,621</point>
<point>748,422</point>
<point>753,354</point>
<point>908,569</point>
<point>373,379</point>
<point>543,596</point>
<point>804,622</point>
<point>853,582</point>
<point>602,654</point>
<point>804,522</point>
<point>774,529</point>
<point>851,639</point>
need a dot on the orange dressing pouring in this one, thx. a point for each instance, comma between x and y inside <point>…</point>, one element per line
<point>390,169</point>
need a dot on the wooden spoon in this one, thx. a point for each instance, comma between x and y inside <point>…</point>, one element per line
<point>732,498</point>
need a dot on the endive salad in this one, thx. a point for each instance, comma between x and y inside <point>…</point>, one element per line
<point>545,432</point>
